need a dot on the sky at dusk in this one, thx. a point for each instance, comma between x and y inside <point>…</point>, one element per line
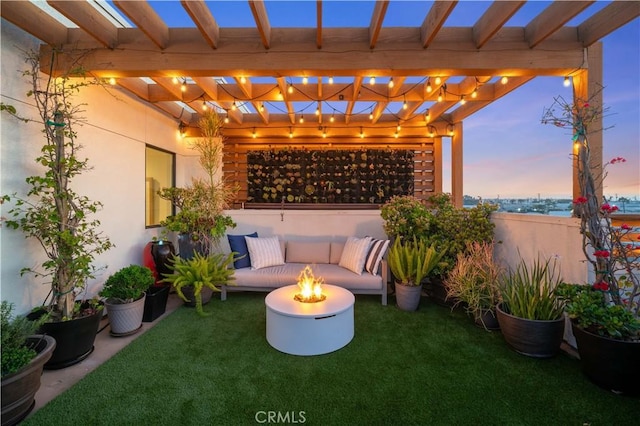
<point>508,152</point>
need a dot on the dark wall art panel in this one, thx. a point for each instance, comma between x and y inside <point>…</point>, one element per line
<point>369,176</point>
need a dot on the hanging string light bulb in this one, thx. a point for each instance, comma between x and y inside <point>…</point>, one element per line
<point>566,82</point>
<point>427,115</point>
<point>305,80</point>
<point>391,83</point>
<point>372,80</point>
<point>504,79</point>
<point>429,88</point>
<point>301,118</point>
<point>330,80</point>
<point>361,133</point>
<point>438,80</point>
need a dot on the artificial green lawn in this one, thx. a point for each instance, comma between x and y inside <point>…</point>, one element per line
<point>430,367</point>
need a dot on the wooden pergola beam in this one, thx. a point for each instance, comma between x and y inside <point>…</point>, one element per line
<point>204,20</point>
<point>146,19</point>
<point>89,19</point>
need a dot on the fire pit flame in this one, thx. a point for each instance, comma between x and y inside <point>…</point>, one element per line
<point>310,287</point>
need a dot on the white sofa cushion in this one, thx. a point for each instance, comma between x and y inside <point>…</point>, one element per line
<point>307,252</point>
<point>336,252</point>
<point>354,254</point>
<point>264,252</point>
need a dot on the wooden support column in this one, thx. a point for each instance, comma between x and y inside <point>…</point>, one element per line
<point>456,165</point>
<point>588,85</point>
<point>437,165</point>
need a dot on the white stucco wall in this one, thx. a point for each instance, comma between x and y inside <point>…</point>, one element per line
<point>118,127</point>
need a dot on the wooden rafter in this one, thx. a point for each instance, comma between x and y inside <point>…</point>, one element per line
<point>493,19</point>
<point>551,19</point>
<point>89,19</point>
<point>259,12</point>
<point>145,18</point>
<point>610,18</point>
<point>35,21</point>
<point>434,20</point>
<point>379,10</point>
<point>319,24</point>
<point>204,20</point>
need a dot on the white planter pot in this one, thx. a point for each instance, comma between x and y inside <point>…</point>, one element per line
<point>125,318</point>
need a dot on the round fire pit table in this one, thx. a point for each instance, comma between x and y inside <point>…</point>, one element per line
<point>300,328</point>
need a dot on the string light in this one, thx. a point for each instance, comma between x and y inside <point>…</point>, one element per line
<point>395,135</point>
<point>427,115</point>
<point>182,129</point>
<point>317,111</point>
<point>391,83</point>
<point>450,129</point>
<point>243,80</point>
<point>175,80</point>
<point>205,106</point>
<point>372,80</point>
<point>183,86</point>
<point>290,88</point>
<point>233,106</point>
<point>112,81</point>
<point>474,94</point>
<point>262,107</point>
<point>566,81</point>
<point>398,127</point>
<point>330,80</point>
<point>440,95</point>
<point>438,80</point>
<point>254,135</point>
<point>371,114</point>
<point>301,118</point>
<point>431,131</point>
<point>226,119</point>
<point>462,100</point>
<point>332,119</point>
<point>290,133</point>
<point>324,133</point>
<point>280,97</point>
<point>305,80</point>
<point>404,104</point>
<point>429,88</point>
<point>504,79</point>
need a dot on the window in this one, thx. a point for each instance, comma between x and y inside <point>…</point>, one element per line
<point>160,173</point>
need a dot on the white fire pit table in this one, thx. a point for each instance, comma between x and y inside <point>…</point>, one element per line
<point>299,328</point>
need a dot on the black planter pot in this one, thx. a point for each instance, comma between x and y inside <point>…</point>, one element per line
<point>488,320</point>
<point>437,292</point>
<point>610,364</point>
<point>74,339</point>
<point>534,338</point>
<point>206,295</point>
<point>19,388</point>
<point>156,303</point>
<point>188,247</point>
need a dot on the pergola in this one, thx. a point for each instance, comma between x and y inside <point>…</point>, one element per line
<point>264,79</point>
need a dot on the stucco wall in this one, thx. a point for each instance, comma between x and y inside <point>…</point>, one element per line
<point>118,127</point>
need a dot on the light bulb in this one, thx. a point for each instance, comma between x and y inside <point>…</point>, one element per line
<point>504,80</point>
<point>427,115</point>
<point>438,80</point>
<point>233,106</point>
<point>462,100</point>
<point>429,88</point>
<point>439,97</point>
<point>391,83</point>
<point>243,80</point>
<point>301,118</point>
<point>112,81</point>
<point>261,107</point>
<point>204,106</point>
<point>330,80</point>
<point>395,135</point>
<point>404,105</point>
<point>290,88</point>
<point>332,119</point>
<point>372,81</point>
<point>324,134</point>
<point>474,94</point>
<point>226,120</point>
<point>254,135</point>
<point>174,80</point>
<point>280,97</point>
<point>566,82</point>
<point>398,127</point>
<point>183,87</point>
<point>361,133</point>
<point>318,111</point>
<point>305,80</point>
<point>371,116</point>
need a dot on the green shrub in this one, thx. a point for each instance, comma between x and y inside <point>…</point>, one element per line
<point>15,353</point>
<point>128,284</point>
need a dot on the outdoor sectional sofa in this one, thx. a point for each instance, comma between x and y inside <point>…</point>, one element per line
<point>260,269</point>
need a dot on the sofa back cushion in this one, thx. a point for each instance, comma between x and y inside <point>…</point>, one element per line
<point>238,244</point>
<point>336,252</point>
<point>355,253</point>
<point>308,252</point>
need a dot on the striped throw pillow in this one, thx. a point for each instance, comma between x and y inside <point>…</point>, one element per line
<point>377,249</point>
<point>264,252</point>
<point>354,254</point>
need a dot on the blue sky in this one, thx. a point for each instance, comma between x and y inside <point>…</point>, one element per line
<point>507,151</point>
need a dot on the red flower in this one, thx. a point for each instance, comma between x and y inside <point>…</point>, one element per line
<point>625,227</point>
<point>580,200</point>
<point>602,286</point>
<point>601,253</point>
<point>617,160</point>
<point>608,208</point>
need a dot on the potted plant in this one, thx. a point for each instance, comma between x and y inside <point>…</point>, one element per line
<point>200,221</point>
<point>530,315</point>
<point>23,357</point>
<point>411,261</point>
<point>605,314</point>
<point>404,216</point>
<point>60,219</point>
<point>195,279</point>
<point>474,282</point>
<point>125,295</point>
<point>454,228</point>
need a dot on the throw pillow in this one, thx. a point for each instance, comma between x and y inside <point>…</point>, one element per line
<point>264,252</point>
<point>239,245</point>
<point>354,254</point>
<point>376,252</point>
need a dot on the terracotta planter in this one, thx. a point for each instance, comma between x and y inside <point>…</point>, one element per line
<point>408,296</point>
<point>610,364</point>
<point>19,388</point>
<point>534,338</point>
<point>126,318</point>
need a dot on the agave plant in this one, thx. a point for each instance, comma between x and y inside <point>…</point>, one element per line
<point>412,261</point>
<point>200,272</point>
